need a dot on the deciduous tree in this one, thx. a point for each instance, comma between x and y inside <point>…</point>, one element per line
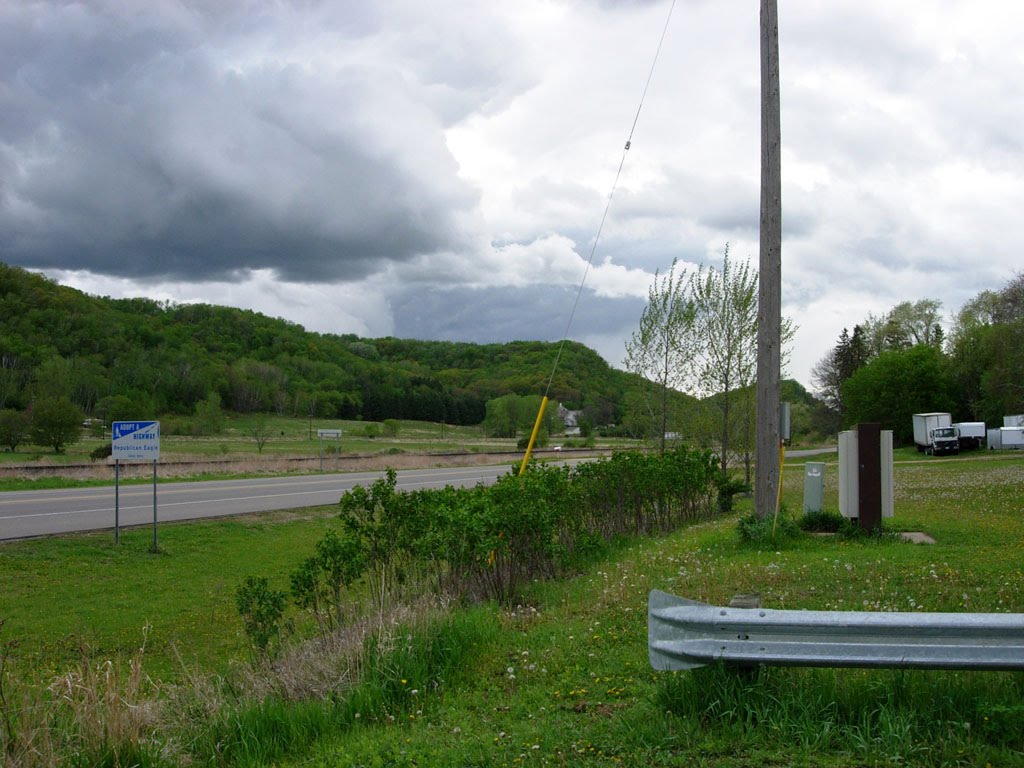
<point>832,371</point>
<point>726,312</point>
<point>56,422</point>
<point>664,348</point>
<point>896,385</point>
<point>14,426</point>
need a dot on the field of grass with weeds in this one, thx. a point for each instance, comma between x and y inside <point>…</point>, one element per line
<point>559,678</point>
<point>283,436</point>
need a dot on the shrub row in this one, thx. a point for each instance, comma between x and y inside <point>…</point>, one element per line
<point>489,540</point>
<point>485,542</point>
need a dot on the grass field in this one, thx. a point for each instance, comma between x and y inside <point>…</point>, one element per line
<point>284,435</point>
<point>562,678</point>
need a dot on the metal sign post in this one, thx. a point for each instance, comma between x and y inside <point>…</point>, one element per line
<point>133,441</point>
<point>155,547</point>
<point>336,434</point>
<point>117,501</point>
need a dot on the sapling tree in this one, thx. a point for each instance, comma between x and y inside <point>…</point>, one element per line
<point>726,312</point>
<point>260,431</point>
<point>663,349</point>
<point>261,609</point>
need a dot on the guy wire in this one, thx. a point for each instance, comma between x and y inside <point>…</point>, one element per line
<point>608,204</point>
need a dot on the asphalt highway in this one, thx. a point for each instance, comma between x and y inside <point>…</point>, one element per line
<point>25,514</point>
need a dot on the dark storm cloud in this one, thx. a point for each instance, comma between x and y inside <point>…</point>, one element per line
<point>485,315</point>
<point>141,145</point>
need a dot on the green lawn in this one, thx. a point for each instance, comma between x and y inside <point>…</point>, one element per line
<point>64,594</point>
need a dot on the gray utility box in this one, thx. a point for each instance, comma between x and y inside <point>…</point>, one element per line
<point>814,487</point>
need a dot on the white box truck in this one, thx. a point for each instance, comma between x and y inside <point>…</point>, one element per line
<point>972,434</point>
<point>1005,438</point>
<point>1014,421</point>
<point>934,433</point>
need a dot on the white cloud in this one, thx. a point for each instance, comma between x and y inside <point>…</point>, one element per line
<point>360,167</point>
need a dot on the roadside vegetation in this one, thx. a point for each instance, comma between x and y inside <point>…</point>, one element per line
<point>116,656</point>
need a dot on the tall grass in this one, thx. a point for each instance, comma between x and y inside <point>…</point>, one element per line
<point>98,714</point>
<point>907,716</point>
<point>399,672</point>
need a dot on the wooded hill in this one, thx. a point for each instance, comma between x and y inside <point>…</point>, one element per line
<point>166,358</point>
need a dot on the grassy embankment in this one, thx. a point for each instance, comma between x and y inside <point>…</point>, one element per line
<point>563,677</point>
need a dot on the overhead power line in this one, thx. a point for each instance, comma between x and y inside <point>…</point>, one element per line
<point>611,194</point>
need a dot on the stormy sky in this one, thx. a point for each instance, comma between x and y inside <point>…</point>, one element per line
<point>439,169</point>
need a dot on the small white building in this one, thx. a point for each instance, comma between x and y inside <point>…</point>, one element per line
<point>571,420</point>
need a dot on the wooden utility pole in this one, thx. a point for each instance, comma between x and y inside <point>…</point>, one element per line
<point>769,314</point>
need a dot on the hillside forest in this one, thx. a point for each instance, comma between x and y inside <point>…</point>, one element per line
<point>112,359</point>
<point>137,358</point>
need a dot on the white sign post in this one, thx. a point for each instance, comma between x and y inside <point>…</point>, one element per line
<point>134,441</point>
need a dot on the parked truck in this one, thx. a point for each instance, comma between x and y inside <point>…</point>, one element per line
<point>1006,438</point>
<point>972,434</point>
<point>935,434</point>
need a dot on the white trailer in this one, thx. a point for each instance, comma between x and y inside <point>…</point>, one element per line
<point>934,433</point>
<point>1014,421</point>
<point>972,434</point>
<point>1006,438</point>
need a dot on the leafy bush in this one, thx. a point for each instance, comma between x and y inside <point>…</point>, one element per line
<point>833,522</point>
<point>489,541</point>
<point>102,452</point>
<point>524,442</point>
<point>369,518</point>
<point>318,583</point>
<point>727,488</point>
<point>261,609</point>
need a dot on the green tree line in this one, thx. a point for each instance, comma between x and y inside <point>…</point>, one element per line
<point>904,362</point>
<point>134,358</point>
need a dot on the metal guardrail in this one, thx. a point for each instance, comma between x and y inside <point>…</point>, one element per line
<point>685,634</point>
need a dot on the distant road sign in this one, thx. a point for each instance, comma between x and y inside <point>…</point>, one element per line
<point>135,440</point>
<point>328,433</point>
